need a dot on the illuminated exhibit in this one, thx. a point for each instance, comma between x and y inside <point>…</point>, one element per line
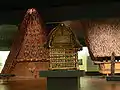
<point>34,46</point>
<point>59,45</point>
<point>86,62</point>
<point>63,46</point>
<point>28,55</point>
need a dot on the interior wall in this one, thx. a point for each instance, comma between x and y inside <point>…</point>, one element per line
<point>83,55</point>
<point>3,57</point>
<point>91,67</point>
<point>87,63</point>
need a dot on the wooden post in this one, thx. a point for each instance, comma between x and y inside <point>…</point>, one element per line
<point>112,64</point>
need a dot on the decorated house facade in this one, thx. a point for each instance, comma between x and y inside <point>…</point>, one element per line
<point>63,47</point>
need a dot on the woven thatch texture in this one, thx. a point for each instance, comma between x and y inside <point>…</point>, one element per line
<point>28,45</point>
<point>103,37</point>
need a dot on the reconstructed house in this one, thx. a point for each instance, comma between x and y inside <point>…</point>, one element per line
<point>63,46</point>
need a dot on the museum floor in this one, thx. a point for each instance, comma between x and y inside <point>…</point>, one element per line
<point>87,83</point>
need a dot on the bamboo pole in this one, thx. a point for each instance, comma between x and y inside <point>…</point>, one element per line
<point>112,64</point>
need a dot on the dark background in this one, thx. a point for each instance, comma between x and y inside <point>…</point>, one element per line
<point>12,13</point>
<point>59,10</point>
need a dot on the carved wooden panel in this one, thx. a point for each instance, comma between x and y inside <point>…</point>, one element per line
<point>62,58</point>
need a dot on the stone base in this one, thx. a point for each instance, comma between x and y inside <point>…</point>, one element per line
<point>63,83</point>
<point>62,79</point>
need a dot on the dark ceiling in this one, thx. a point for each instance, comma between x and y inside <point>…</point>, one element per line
<point>52,11</point>
<point>58,10</point>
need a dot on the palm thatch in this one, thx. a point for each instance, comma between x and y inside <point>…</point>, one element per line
<point>27,49</point>
<point>103,38</point>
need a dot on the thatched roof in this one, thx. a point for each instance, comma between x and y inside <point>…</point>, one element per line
<point>103,37</point>
<point>67,31</point>
<point>31,37</point>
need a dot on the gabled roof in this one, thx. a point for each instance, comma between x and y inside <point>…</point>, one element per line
<point>62,27</point>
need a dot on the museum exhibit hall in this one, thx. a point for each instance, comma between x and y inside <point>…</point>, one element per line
<point>60,45</point>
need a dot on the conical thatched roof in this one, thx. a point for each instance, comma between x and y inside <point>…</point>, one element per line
<point>28,45</point>
<point>103,38</point>
<point>58,30</point>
